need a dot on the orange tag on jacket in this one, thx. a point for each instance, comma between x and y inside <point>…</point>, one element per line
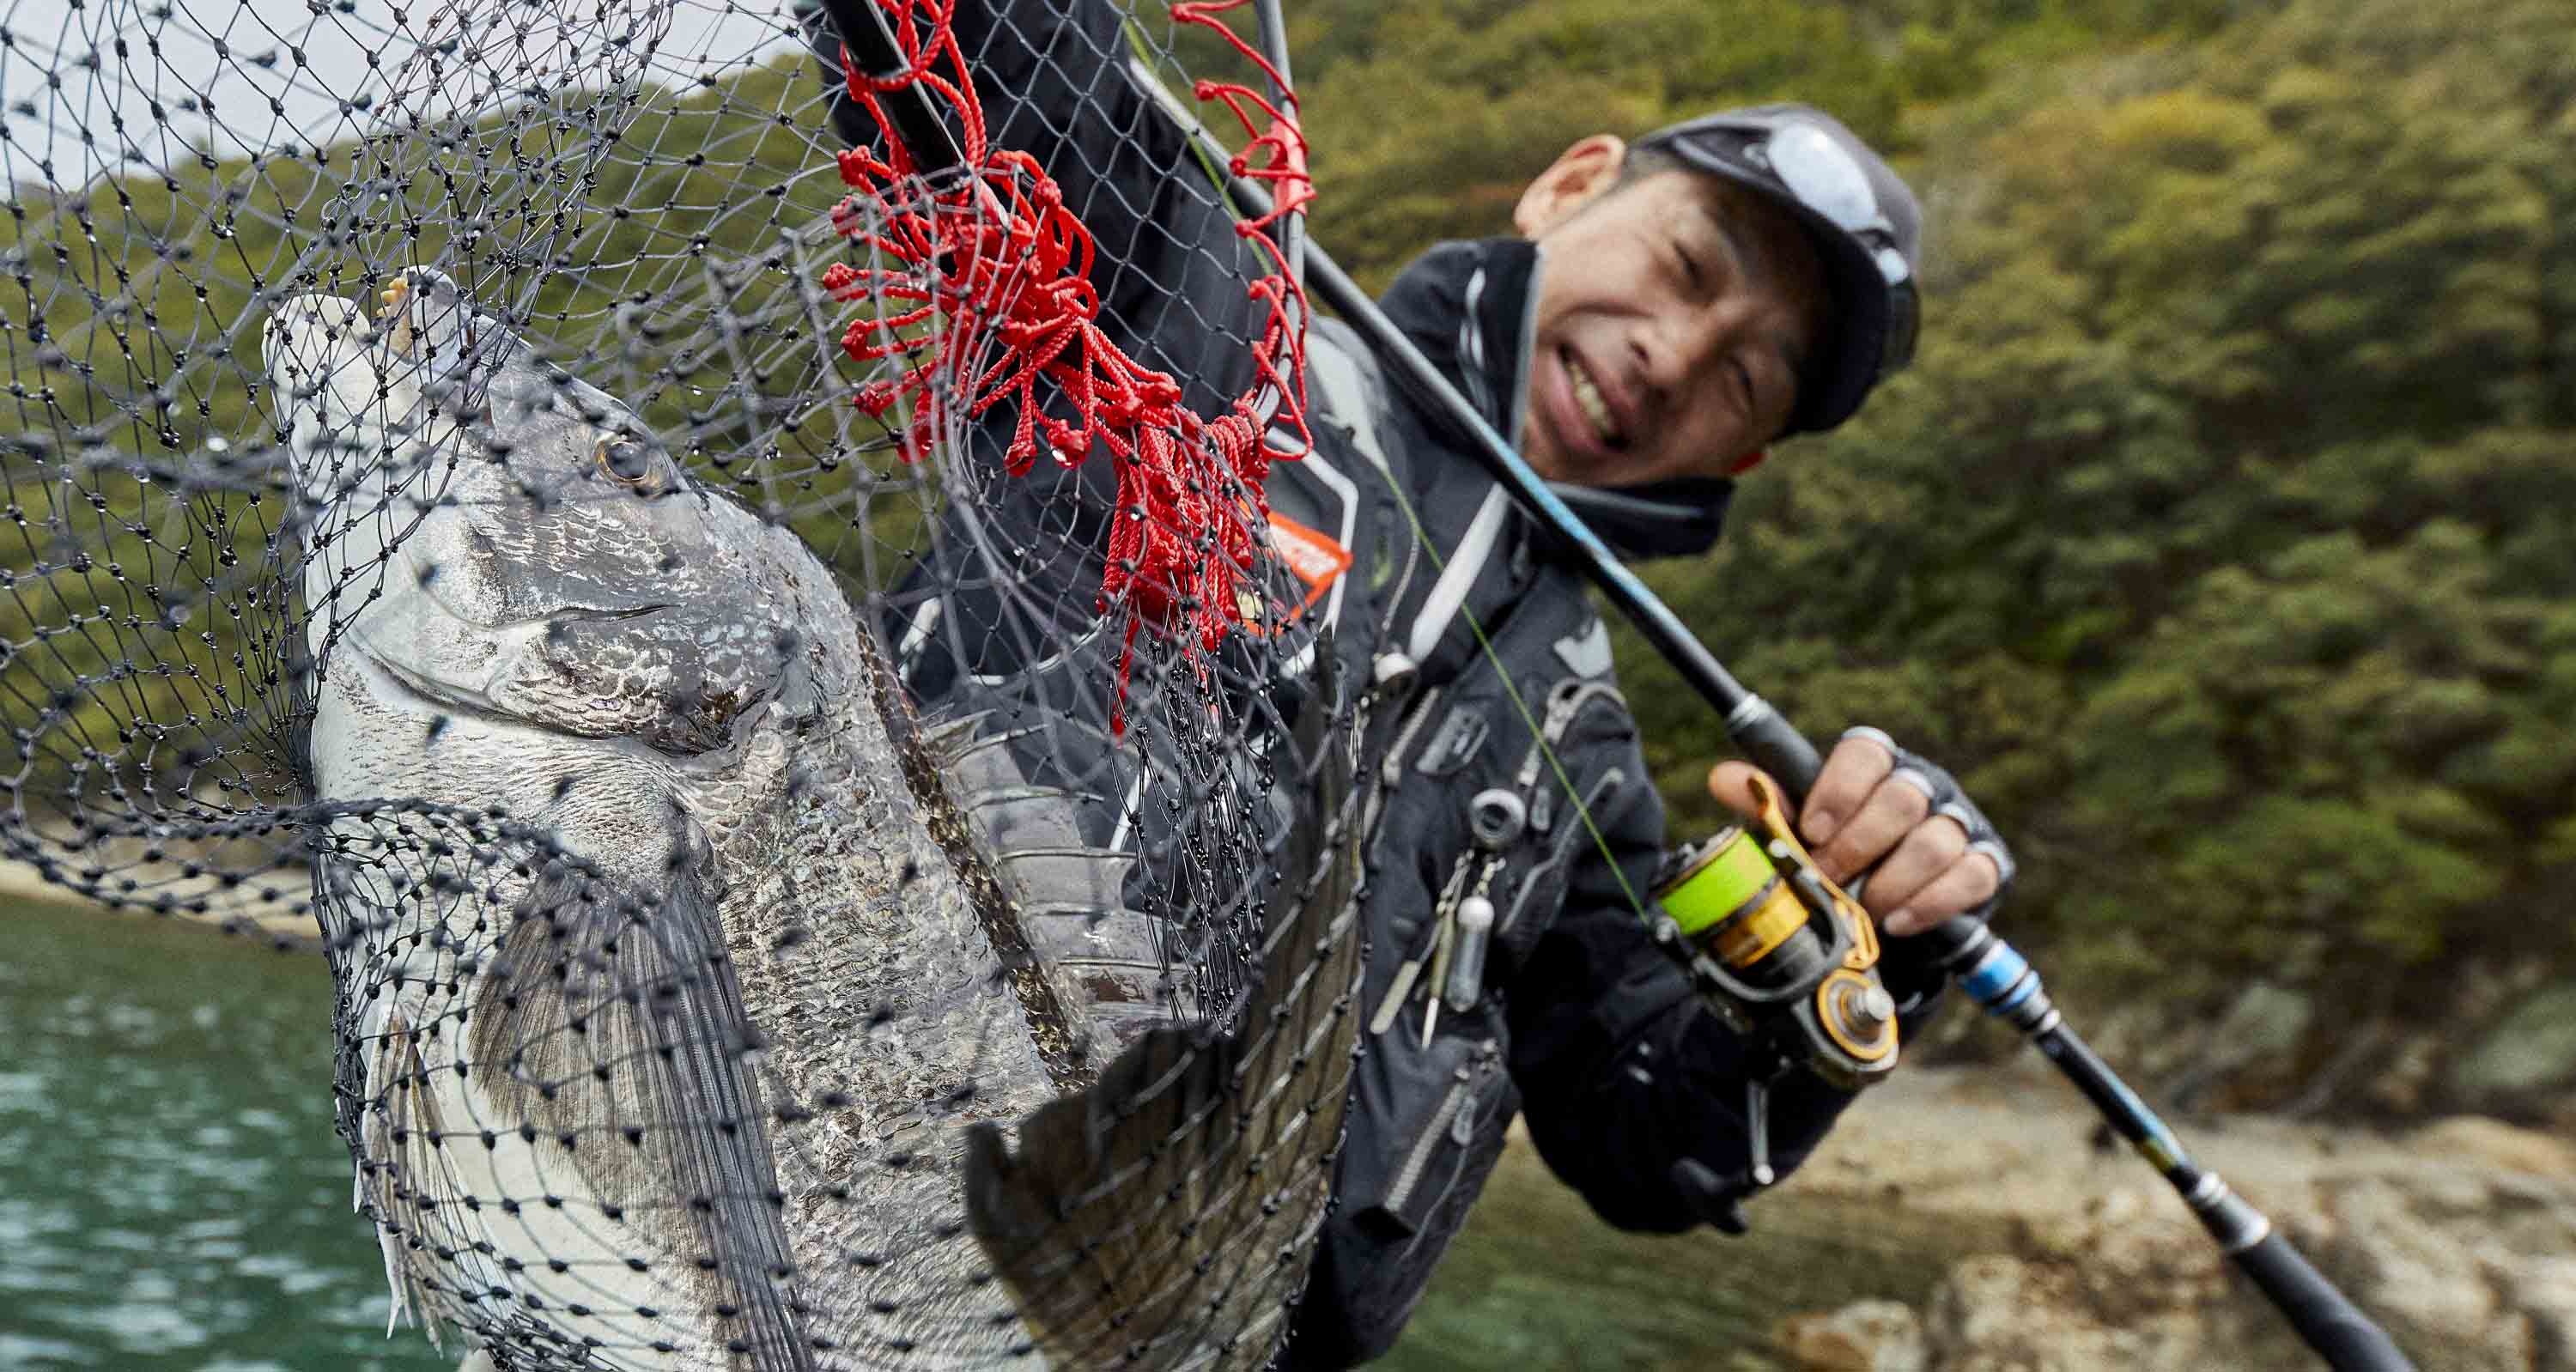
<point>1315,558</point>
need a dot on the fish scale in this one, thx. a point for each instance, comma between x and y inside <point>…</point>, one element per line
<point>921,970</point>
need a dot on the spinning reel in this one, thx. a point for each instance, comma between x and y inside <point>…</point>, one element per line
<point>1787,958</point>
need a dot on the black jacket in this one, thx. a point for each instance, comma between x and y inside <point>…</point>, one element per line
<point>1585,1029</point>
<point>1506,685</point>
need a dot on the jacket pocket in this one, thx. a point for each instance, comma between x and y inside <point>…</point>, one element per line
<point>1560,827</point>
<point>1435,1122</point>
<point>1542,886</point>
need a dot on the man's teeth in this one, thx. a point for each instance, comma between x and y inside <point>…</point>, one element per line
<point>1588,397</point>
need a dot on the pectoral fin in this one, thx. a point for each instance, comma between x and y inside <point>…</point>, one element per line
<point>621,1018</point>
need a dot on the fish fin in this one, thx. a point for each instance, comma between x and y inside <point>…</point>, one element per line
<point>949,735</point>
<point>1055,1022</point>
<point>1162,1218</point>
<point>605,1007</point>
<point>401,1136</point>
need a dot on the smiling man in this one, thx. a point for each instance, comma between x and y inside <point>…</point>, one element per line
<point>1678,346</point>
<point>1665,312</point>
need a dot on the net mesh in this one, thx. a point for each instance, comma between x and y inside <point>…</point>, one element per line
<point>750,640</point>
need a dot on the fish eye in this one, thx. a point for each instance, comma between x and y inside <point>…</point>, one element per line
<point>626,461</point>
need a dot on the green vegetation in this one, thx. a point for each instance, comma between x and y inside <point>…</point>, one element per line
<point>1427,118</point>
<point>143,611</point>
<point>2220,536</point>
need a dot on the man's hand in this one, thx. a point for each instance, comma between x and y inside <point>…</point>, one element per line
<point>1930,855</point>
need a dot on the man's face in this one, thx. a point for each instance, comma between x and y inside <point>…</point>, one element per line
<point>1674,316</point>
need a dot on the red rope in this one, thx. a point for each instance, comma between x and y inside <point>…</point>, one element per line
<point>998,258</point>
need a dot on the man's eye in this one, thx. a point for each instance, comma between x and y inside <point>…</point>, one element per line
<point>1689,265</point>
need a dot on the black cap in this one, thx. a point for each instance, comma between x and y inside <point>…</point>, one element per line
<point>1862,218</point>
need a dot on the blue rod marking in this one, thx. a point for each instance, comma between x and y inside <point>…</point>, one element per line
<point>1994,975</point>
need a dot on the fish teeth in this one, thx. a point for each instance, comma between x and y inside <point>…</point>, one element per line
<point>1587,395</point>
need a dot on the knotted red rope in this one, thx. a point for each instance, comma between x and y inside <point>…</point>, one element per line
<point>982,291</point>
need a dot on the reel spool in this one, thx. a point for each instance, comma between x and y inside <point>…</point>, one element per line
<point>1785,956</point>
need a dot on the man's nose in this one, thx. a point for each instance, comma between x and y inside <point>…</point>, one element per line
<point>1680,348</point>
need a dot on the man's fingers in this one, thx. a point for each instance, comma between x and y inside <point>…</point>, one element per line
<point>1969,883</point>
<point>1732,784</point>
<point>1877,814</point>
<point>1931,849</point>
<point>1884,819</point>
<point>1858,764</point>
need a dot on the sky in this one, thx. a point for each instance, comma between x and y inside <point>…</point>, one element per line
<point>65,83</point>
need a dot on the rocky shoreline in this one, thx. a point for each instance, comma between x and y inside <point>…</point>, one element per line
<point>2459,1235</point>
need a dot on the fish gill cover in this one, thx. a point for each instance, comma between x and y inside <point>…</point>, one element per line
<point>772,693</point>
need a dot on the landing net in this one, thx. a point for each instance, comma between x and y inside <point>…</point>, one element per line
<point>720,576</point>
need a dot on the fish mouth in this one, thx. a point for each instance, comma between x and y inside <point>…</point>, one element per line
<point>424,330</point>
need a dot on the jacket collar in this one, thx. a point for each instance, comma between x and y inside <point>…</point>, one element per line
<point>1468,306</point>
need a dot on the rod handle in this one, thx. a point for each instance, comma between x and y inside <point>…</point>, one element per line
<point>1772,743</point>
<point>2339,1332</point>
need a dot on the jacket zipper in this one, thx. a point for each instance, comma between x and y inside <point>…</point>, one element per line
<point>1564,706</point>
<point>1419,1160</point>
<point>1391,770</point>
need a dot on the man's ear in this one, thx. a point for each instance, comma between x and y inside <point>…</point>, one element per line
<point>1579,175</point>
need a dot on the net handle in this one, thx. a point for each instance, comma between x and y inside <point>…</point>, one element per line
<point>873,48</point>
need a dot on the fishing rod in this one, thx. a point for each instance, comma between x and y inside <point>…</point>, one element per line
<point>1989,970</point>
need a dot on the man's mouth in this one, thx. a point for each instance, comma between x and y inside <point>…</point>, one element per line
<point>1595,408</point>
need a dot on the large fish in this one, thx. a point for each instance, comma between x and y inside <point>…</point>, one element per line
<point>692,1019</point>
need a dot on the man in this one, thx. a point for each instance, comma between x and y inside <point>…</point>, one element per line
<point>1666,312</point>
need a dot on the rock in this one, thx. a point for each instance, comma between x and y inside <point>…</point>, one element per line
<point>2478,1141</point>
<point>2001,1314</point>
<point>2529,1051</point>
<point>2127,1252</point>
<point>2425,1279</point>
<point>1865,1336</point>
<point>2412,1074</point>
<point>2544,1290</point>
<point>1980,1301</point>
<point>2266,1021</point>
<point>2460,1237</point>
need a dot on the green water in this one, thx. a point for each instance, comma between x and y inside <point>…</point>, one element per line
<point>172,1197</point>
